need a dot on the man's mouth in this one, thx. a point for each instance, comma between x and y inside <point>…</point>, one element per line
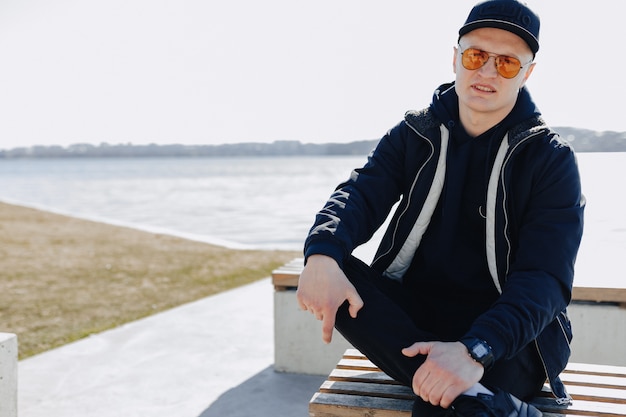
<point>483,88</point>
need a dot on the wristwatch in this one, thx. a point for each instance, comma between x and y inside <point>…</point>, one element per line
<point>480,351</point>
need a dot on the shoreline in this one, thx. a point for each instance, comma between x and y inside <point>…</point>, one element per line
<point>63,278</point>
<point>147,228</point>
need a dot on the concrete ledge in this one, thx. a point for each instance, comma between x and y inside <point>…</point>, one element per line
<point>298,346</point>
<point>8,375</point>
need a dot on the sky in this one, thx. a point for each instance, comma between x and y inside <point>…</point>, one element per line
<point>213,72</point>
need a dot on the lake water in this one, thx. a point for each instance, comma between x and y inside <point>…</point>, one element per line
<point>237,202</point>
<point>266,202</point>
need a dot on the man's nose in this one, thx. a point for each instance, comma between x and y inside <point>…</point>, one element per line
<point>490,68</point>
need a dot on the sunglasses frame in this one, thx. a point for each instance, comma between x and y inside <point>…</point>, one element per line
<point>497,57</point>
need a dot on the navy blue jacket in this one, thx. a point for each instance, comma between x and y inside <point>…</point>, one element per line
<point>534,217</point>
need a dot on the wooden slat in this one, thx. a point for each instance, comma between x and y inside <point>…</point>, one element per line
<point>368,389</point>
<point>600,295</point>
<point>545,414</point>
<point>582,408</point>
<point>591,380</point>
<point>283,282</point>
<point>376,377</point>
<point>342,405</point>
<point>587,393</point>
<point>586,368</point>
<point>286,277</point>
<point>353,354</point>
<point>360,364</point>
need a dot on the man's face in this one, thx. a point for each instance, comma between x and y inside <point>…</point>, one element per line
<point>483,93</point>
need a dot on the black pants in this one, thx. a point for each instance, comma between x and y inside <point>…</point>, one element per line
<point>383,328</point>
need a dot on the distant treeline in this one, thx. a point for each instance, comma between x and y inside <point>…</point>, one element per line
<point>583,141</point>
<point>278,148</point>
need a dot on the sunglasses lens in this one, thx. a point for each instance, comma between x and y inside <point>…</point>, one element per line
<point>508,66</point>
<point>472,59</point>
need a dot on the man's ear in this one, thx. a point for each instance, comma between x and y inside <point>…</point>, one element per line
<point>454,58</point>
<point>527,74</point>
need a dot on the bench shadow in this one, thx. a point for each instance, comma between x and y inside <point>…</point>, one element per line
<point>268,393</point>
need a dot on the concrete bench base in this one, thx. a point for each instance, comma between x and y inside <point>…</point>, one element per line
<point>8,375</point>
<point>599,335</point>
<point>298,346</point>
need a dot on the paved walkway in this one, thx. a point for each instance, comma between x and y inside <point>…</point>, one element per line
<point>209,358</point>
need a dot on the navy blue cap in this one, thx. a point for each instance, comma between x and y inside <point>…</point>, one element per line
<point>510,15</point>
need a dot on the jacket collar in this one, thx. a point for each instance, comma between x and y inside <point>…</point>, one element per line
<point>445,108</point>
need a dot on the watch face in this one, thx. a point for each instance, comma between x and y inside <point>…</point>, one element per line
<point>480,350</point>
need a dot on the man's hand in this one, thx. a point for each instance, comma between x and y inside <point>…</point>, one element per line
<point>322,289</point>
<point>447,372</point>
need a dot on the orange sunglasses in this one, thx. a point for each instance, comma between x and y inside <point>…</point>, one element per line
<point>507,66</point>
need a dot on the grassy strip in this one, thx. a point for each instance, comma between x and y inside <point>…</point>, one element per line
<point>63,278</point>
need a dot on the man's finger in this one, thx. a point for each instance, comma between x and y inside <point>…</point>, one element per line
<point>419,348</point>
<point>355,303</point>
<point>299,297</point>
<point>328,325</point>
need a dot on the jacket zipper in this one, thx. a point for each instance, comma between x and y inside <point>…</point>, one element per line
<point>397,223</point>
<point>504,199</point>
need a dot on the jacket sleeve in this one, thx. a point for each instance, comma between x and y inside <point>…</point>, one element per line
<point>360,205</point>
<point>546,229</point>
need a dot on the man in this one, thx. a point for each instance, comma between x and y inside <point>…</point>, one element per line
<point>465,300</point>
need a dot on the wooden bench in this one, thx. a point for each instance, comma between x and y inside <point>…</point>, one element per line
<point>358,388</point>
